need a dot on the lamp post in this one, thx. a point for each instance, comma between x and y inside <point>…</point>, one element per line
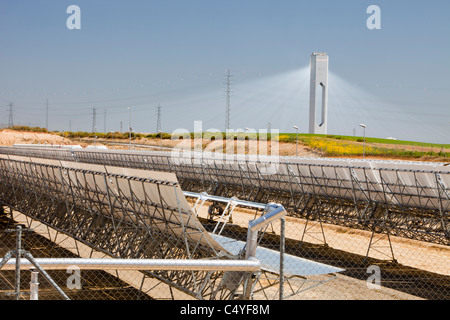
<point>160,138</point>
<point>248,142</point>
<point>131,134</point>
<point>129,125</point>
<point>201,145</point>
<point>364,143</point>
<point>112,137</point>
<point>296,143</point>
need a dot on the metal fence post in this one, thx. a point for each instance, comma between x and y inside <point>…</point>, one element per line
<point>34,285</point>
<point>282,250</point>
<point>18,255</point>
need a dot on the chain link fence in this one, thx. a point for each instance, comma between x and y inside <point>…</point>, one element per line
<point>354,243</point>
<point>369,266</point>
<point>374,265</point>
<point>75,283</point>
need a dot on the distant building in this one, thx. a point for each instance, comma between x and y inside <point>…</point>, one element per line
<point>318,100</point>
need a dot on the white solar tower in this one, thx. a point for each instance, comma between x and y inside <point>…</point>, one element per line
<point>318,100</point>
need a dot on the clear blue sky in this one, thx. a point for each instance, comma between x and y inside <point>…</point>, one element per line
<point>176,53</point>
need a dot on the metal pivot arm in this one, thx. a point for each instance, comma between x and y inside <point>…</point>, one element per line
<point>274,212</point>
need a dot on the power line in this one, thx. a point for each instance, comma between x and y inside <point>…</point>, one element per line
<point>158,122</point>
<point>94,120</point>
<point>104,123</point>
<point>46,116</point>
<point>228,102</point>
<point>10,120</point>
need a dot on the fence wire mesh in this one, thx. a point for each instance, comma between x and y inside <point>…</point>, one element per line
<point>77,284</point>
<point>331,249</point>
<point>390,268</point>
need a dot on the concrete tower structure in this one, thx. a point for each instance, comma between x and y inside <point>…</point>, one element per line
<point>318,100</point>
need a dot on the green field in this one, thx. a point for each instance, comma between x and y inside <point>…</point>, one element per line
<point>292,138</point>
<point>340,145</point>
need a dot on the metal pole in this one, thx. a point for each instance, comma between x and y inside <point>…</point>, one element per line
<point>247,146</point>
<point>34,285</point>
<point>364,144</point>
<point>250,265</point>
<point>282,250</point>
<point>250,254</point>
<point>362,125</point>
<point>274,212</point>
<point>296,143</point>
<point>129,125</point>
<point>18,255</point>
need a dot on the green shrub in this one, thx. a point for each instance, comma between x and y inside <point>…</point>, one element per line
<point>29,129</point>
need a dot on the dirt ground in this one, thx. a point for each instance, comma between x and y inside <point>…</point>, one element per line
<point>11,137</point>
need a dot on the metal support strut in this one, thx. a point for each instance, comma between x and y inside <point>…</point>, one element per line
<point>18,253</point>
